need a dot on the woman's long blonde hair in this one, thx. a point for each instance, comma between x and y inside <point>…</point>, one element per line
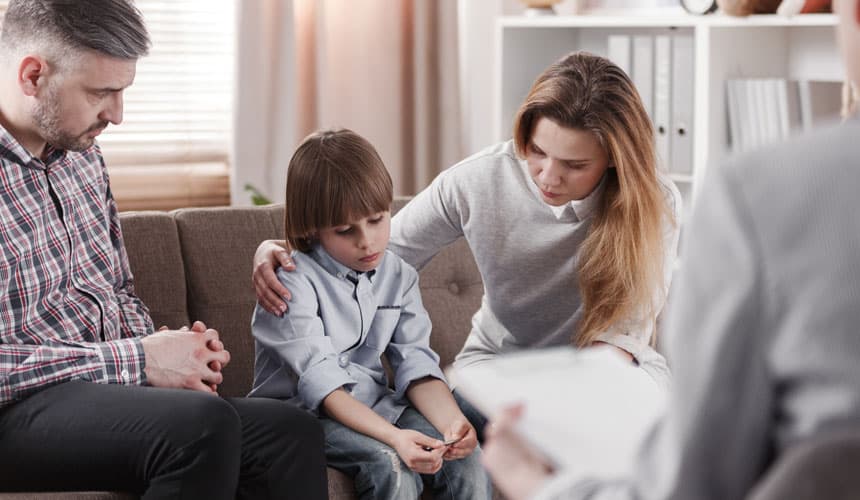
<point>620,264</point>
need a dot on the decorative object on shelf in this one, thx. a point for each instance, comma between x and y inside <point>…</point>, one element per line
<point>792,7</point>
<point>747,7</point>
<point>784,7</point>
<point>622,5</point>
<point>539,7</point>
<point>699,6</point>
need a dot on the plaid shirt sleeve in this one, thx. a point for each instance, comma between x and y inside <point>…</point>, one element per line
<point>26,369</point>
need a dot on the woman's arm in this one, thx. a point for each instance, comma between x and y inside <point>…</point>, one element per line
<point>431,220</point>
<point>272,295</point>
<point>624,354</point>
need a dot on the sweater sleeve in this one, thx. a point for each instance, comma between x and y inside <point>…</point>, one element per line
<point>427,223</point>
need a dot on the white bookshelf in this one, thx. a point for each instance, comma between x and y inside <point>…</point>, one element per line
<point>764,46</point>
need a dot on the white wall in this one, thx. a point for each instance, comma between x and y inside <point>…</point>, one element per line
<point>477,34</point>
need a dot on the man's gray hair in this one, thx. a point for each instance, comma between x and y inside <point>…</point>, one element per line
<point>110,27</point>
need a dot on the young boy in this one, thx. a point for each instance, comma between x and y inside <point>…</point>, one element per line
<point>353,301</point>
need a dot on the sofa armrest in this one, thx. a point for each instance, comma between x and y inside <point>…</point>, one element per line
<point>823,467</point>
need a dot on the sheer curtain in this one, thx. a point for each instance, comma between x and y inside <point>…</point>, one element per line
<point>384,68</point>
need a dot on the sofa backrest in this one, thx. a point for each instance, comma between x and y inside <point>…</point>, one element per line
<point>218,249</point>
<point>195,263</point>
<point>152,242</point>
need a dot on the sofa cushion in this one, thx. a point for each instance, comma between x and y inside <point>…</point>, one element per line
<point>218,247</point>
<point>451,290</point>
<point>155,256</point>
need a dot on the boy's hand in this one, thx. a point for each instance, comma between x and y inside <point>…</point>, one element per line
<point>412,447</point>
<point>467,439</point>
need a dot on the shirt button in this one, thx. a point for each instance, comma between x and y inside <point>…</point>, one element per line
<point>343,360</point>
<point>124,375</point>
<point>340,275</point>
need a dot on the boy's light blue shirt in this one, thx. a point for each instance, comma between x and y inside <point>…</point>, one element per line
<point>338,325</point>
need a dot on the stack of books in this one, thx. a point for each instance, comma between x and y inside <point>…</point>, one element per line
<point>763,111</point>
<point>661,67</point>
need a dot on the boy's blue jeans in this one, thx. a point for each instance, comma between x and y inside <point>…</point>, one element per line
<point>379,473</point>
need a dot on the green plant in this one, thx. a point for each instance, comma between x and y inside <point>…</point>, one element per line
<point>257,198</point>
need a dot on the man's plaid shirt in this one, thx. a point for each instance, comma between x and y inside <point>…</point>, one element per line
<point>67,304</point>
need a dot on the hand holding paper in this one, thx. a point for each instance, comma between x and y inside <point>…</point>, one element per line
<point>585,410</point>
<point>514,465</point>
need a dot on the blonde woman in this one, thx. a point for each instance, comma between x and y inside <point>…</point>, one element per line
<point>573,226</point>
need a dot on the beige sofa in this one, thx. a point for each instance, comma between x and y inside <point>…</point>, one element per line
<point>196,264</point>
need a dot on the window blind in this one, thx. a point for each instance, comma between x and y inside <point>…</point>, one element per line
<point>173,147</point>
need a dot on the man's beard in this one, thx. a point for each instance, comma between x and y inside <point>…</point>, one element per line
<point>46,115</point>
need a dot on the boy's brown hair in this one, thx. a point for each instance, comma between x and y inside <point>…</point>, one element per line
<point>334,176</point>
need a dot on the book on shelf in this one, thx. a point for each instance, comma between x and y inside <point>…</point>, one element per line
<point>663,98</point>
<point>820,102</point>
<point>763,111</point>
<point>643,70</point>
<point>585,410</point>
<point>618,51</point>
<point>661,68</point>
<point>735,98</point>
<point>683,53</point>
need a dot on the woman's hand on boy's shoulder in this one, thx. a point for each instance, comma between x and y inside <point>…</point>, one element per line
<point>271,293</point>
